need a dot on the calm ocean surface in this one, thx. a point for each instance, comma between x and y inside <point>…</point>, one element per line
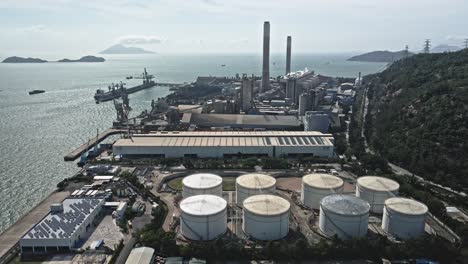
<point>37,131</point>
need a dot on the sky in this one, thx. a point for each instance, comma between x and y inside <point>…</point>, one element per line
<point>54,28</point>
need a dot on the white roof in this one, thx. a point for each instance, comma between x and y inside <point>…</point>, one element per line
<point>322,181</point>
<point>345,204</point>
<point>205,204</point>
<point>103,178</point>
<point>202,181</point>
<point>406,206</point>
<point>141,255</point>
<point>256,181</point>
<point>378,183</point>
<point>63,224</point>
<point>227,139</point>
<point>266,204</point>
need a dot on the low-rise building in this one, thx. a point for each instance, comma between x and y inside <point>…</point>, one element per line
<point>226,144</point>
<point>141,255</point>
<point>63,228</point>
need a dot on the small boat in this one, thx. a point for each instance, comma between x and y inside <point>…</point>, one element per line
<point>36,92</point>
<point>129,77</point>
<point>223,65</point>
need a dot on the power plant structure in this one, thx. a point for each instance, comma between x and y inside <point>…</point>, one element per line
<point>266,217</point>
<point>247,93</point>
<point>344,215</point>
<point>288,55</point>
<point>315,186</point>
<point>376,190</point>
<point>316,121</point>
<point>404,218</point>
<point>266,58</point>
<point>203,217</point>
<point>202,183</point>
<point>253,184</point>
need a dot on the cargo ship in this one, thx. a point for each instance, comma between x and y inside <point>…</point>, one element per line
<point>115,91</point>
<point>36,92</point>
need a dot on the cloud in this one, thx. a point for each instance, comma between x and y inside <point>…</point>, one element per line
<point>34,29</point>
<point>138,40</point>
<point>456,37</point>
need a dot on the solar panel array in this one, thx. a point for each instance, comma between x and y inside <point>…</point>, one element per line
<point>64,224</point>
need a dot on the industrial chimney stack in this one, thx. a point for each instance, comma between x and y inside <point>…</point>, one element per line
<point>288,55</point>
<point>266,58</point>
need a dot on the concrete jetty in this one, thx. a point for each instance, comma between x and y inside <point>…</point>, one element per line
<point>92,142</point>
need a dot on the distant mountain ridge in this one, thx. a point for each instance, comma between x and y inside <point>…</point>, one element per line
<point>16,59</point>
<point>445,48</point>
<point>121,49</point>
<point>380,56</point>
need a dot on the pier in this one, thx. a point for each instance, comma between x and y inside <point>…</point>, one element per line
<point>92,142</point>
<point>170,84</point>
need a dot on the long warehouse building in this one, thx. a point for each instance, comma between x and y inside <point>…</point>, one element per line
<point>226,144</point>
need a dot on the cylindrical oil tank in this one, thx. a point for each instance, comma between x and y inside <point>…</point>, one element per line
<point>344,215</point>
<point>266,217</point>
<point>202,183</point>
<point>315,186</point>
<point>253,184</point>
<point>203,217</point>
<point>376,190</point>
<point>404,218</point>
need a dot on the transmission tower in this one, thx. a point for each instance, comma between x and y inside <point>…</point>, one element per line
<point>406,51</point>
<point>427,46</point>
<point>466,43</point>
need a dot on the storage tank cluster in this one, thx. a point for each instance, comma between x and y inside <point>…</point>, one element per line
<point>202,183</point>
<point>376,190</point>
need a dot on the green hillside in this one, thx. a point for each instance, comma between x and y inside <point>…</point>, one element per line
<point>418,116</point>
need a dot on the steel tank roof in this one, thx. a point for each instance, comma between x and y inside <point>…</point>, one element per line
<point>406,206</point>
<point>322,181</point>
<point>200,205</point>
<point>256,181</point>
<point>202,181</point>
<point>378,183</point>
<point>266,205</point>
<point>345,204</point>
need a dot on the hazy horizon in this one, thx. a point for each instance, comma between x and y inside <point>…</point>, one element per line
<point>53,29</point>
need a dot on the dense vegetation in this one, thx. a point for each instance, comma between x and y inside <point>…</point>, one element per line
<point>418,116</point>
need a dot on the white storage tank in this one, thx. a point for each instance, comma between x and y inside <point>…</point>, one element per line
<point>266,217</point>
<point>203,217</point>
<point>315,186</point>
<point>344,215</point>
<point>253,184</point>
<point>202,183</point>
<point>404,218</point>
<point>376,190</point>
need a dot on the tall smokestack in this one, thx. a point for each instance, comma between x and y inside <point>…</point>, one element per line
<point>266,57</point>
<point>288,55</point>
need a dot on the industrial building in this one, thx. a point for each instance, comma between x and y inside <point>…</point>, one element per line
<point>202,183</point>
<point>225,144</point>
<point>316,121</point>
<point>315,186</point>
<point>253,184</point>
<point>266,217</point>
<point>270,122</point>
<point>141,255</point>
<point>203,217</point>
<point>376,190</point>
<point>344,215</point>
<point>246,97</point>
<point>63,228</point>
<point>404,218</point>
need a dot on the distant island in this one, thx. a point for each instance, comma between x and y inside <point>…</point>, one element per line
<point>121,49</point>
<point>15,59</point>
<point>85,59</point>
<point>380,56</point>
